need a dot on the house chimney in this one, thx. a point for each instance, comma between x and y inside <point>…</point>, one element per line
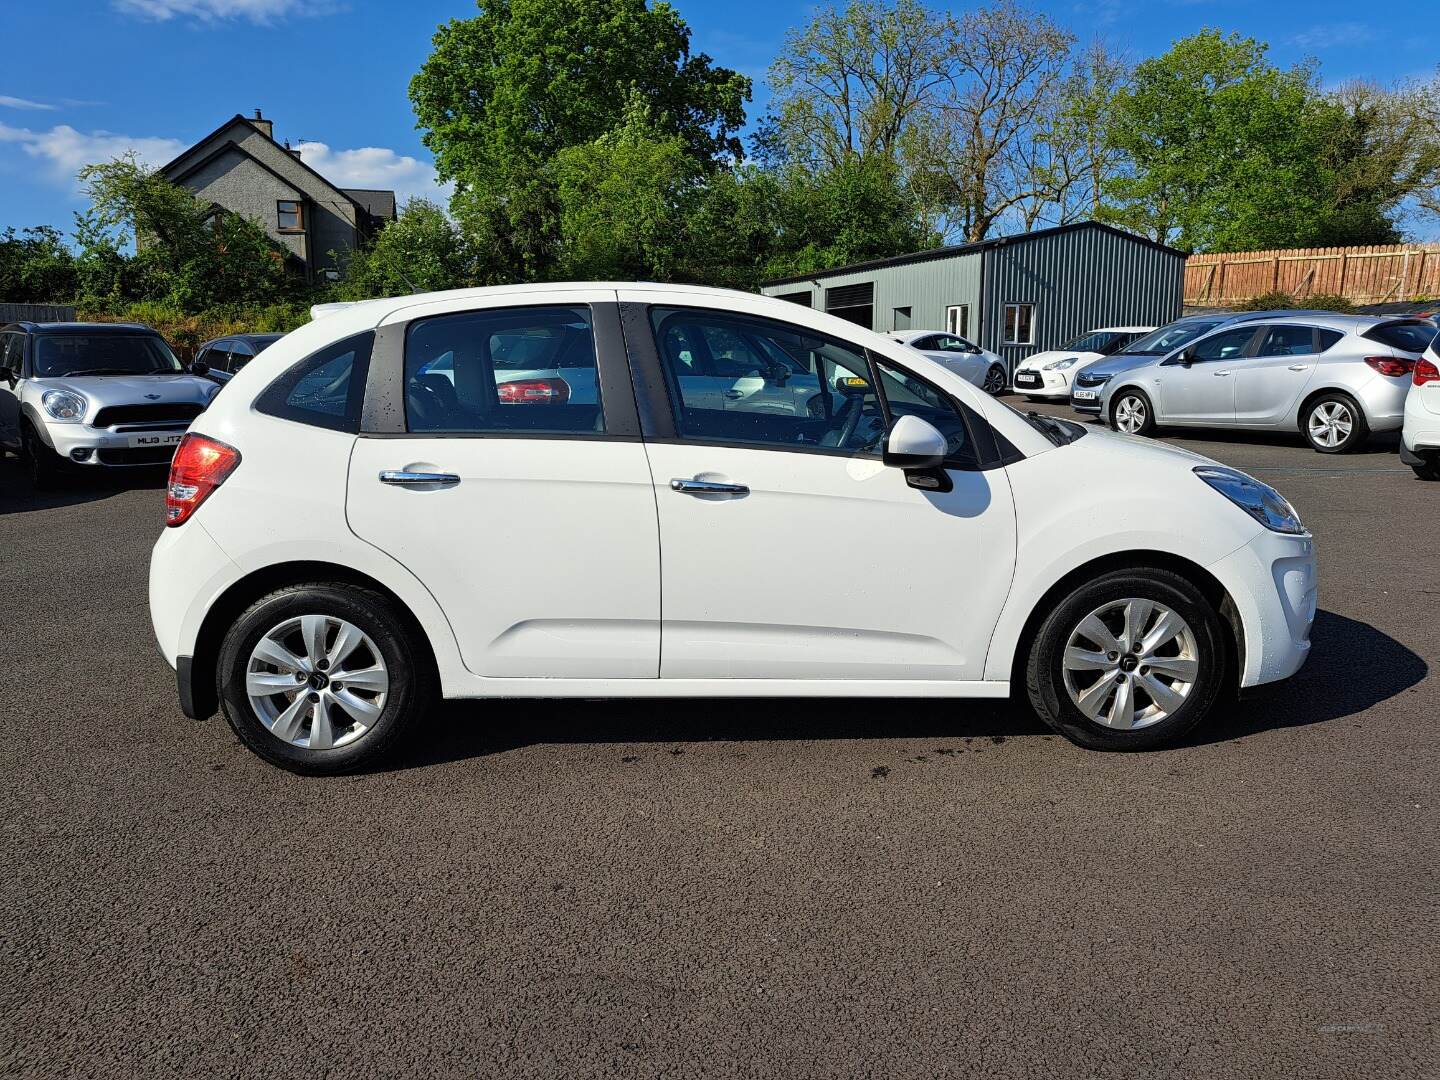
<point>266,126</point>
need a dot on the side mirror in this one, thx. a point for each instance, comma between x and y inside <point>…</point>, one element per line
<point>199,367</point>
<point>914,443</point>
<point>1185,357</point>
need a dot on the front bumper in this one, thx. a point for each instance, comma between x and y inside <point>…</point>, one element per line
<point>88,446</point>
<point>1272,582</point>
<point>1046,384</point>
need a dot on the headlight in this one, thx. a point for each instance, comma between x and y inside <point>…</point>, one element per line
<point>1260,501</point>
<point>1061,365</point>
<point>64,405</point>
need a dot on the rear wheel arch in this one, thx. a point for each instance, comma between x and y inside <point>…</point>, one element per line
<point>235,600</point>
<point>1312,396</point>
<point>1208,585</point>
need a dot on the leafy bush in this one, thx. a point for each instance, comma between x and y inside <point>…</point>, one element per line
<point>1278,301</point>
<point>186,331</point>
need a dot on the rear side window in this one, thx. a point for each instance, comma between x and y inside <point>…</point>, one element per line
<point>1287,341</point>
<point>528,370</point>
<point>326,389</point>
<point>1406,336</point>
<point>1327,338</point>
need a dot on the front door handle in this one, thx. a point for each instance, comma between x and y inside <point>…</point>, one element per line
<point>733,395</point>
<point>1217,374</point>
<point>405,478</point>
<point>1299,367</point>
<point>707,487</point>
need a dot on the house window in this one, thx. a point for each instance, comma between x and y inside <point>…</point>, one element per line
<point>902,318</point>
<point>292,215</point>
<point>957,319</point>
<point>1019,324</point>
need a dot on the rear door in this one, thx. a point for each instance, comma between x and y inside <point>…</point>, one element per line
<point>1268,383</point>
<point>530,517</point>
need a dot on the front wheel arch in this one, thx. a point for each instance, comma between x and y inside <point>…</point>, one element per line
<point>235,600</point>
<point>1136,392</point>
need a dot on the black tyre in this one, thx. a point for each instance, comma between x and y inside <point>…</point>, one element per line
<point>323,678</point>
<point>1429,467</point>
<point>1132,413</point>
<point>42,465</point>
<point>994,380</point>
<point>1333,423</point>
<point>1130,661</point>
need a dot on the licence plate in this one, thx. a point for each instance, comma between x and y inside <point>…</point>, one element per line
<point>169,438</point>
<point>1084,395</point>
<point>1027,378</point>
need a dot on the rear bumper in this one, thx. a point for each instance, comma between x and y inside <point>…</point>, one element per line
<point>1272,582</point>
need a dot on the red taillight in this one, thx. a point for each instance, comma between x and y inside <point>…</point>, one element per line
<point>199,467</point>
<point>534,392</point>
<point>1426,371</point>
<point>1389,365</point>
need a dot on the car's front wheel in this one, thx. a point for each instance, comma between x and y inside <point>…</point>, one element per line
<point>1130,661</point>
<point>1334,424</point>
<point>42,465</point>
<point>1132,413</point>
<point>994,380</point>
<point>323,678</point>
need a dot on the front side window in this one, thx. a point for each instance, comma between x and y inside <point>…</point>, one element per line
<point>1287,341</point>
<point>291,213</point>
<point>907,395</point>
<point>1228,345</point>
<point>950,343</point>
<point>325,389</point>
<point>733,379</point>
<point>102,354</point>
<point>11,346</point>
<point>528,370</point>
<point>1019,324</point>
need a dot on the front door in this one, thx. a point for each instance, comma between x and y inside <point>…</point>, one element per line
<point>1268,384</point>
<point>530,517</point>
<point>1203,391</point>
<point>11,349</point>
<point>791,552</point>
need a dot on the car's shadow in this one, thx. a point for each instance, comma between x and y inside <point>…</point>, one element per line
<point>17,496</point>
<point>1353,667</point>
<point>1383,442</point>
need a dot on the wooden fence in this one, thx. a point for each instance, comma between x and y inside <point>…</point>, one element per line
<point>1364,275</point>
<point>37,312</point>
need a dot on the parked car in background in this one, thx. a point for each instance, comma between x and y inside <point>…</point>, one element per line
<point>223,357</point>
<point>1090,380</point>
<point>1334,378</point>
<point>1420,435</point>
<point>1047,374</point>
<point>975,365</point>
<point>103,395</point>
<point>431,551</point>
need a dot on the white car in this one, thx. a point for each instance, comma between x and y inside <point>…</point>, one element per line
<point>340,551</point>
<point>975,365</point>
<point>1047,374</point>
<point>1420,437</point>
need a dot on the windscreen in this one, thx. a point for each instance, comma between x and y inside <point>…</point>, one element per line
<point>102,354</point>
<point>1169,338</point>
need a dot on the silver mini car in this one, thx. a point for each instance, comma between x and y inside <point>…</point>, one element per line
<point>93,395</point>
<point>1334,378</point>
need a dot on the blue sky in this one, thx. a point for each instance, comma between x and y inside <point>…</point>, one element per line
<point>83,81</point>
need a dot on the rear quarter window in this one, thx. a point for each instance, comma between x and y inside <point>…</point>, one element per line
<point>1407,336</point>
<point>324,390</point>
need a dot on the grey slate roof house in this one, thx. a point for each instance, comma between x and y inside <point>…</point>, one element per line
<point>1014,295</point>
<point>240,168</point>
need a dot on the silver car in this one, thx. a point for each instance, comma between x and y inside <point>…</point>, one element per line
<point>93,395</point>
<point>1334,378</point>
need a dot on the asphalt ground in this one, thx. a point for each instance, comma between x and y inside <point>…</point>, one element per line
<point>720,888</point>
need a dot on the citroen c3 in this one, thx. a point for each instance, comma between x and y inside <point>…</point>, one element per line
<point>374,515</point>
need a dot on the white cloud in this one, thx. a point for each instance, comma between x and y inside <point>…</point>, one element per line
<point>24,103</point>
<point>257,11</point>
<point>375,167</point>
<point>61,151</point>
<point>1329,35</point>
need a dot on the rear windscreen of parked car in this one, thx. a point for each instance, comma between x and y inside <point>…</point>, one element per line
<point>102,354</point>
<point>503,370</point>
<point>1100,342</point>
<point>1407,336</point>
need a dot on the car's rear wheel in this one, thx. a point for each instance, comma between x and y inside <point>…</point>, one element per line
<point>42,465</point>
<point>1132,413</point>
<point>323,678</point>
<point>1334,423</point>
<point>1130,661</point>
<point>994,380</point>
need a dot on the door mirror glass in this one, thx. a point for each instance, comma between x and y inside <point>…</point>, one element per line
<point>914,443</point>
<point>199,367</point>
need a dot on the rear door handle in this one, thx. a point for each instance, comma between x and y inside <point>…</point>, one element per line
<point>405,478</point>
<point>1219,373</point>
<point>707,487</point>
<point>1299,367</point>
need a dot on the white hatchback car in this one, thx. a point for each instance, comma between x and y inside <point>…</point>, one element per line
<point>346,541</point>
<point>1420,436</point>
<point>1046,375</point>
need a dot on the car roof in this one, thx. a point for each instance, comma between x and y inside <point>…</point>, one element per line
<point>83,327</point>
<point>1356,324</point>
<point>1122,330</point>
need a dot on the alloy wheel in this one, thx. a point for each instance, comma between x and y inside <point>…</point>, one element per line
<point>1130,664</point>
<point>317,682</point>
<point>1130,415</point>
<point>994,381</point>
<point>1331,423</point>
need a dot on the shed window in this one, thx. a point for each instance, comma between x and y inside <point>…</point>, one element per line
<point>855,303</point>
<point>801,298</point>
<point>957,319</point>
<point>1019,324</point>
<point>291,213</point>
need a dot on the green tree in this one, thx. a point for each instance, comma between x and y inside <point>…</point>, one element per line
<point>36,267</point>
<point>504,92</point>
<point>420,251</point>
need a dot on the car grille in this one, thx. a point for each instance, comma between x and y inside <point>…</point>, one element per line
<point>1089,381</point>
<point>139,414</point>
<point>147,455</point>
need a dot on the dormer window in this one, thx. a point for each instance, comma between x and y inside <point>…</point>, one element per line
<point>292,215</point>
